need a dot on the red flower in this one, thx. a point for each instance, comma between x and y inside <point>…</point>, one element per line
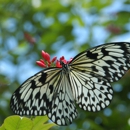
<point>54,59</point>
<point>41,64</point>
<point>63,60</point>
<point>29,38</point>
<point>46,62</point>
<point>114,29</point>
<point>58,65</point>
<point>46,56</point>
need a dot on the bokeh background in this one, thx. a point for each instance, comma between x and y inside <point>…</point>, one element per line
<point>62,28</point>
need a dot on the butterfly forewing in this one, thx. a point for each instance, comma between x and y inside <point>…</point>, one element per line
<point>34,95</point>
<point>109,61</point>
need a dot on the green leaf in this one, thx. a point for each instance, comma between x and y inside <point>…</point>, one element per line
<point>42,119</point>
<point>2,127</point>
<point>17,123</point>
<point>38,123</point>
<point>48,126</point>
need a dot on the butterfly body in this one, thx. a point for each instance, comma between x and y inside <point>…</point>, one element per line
<point>85,80</point>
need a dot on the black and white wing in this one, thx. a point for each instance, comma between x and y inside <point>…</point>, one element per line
<point>92,71</point>
<point>46,93</point>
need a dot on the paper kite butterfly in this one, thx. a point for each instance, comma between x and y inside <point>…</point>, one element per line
<point>84,81</point>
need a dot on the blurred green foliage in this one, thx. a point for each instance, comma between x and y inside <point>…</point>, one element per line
<point>29,26</point>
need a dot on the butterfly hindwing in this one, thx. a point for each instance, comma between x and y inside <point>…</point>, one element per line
<point>91,93</point>
<point>63,109</point>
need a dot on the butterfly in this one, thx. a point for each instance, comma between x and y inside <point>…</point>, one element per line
<point>84,81</point>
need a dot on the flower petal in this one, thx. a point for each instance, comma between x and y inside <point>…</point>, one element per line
<point>53,59</point>
<point>62,58</point>
<point>58,64</point>
<point>41,64</point>
<point>42,61</point>
<point>46,56</point>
